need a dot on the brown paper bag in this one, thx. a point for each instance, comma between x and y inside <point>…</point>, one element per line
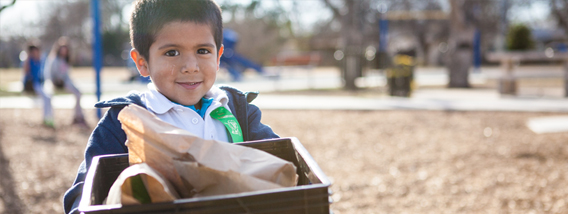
<point>209,182</point>
<point>155,186</point>
<point>159,144</point>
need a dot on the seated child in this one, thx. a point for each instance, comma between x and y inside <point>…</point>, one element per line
<point>33,82</point>
<point>178,44</point>
<point>32,69</point>
<point>57,69</point>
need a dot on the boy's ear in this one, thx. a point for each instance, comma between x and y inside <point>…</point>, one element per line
<point>141,63</point>
<point>219,57</point>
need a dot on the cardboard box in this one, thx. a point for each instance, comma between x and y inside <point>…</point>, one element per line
<point>311,195</point>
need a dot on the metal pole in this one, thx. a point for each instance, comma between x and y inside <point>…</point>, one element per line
<point>565,78</point>
<point>382,57</point>
<point>477,51</point>
<point>97,49</point>
<point>503,25</point>
<point>383,34</point>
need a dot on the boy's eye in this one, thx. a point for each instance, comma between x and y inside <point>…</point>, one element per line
<point>172,53</point>
<point>203,51</point>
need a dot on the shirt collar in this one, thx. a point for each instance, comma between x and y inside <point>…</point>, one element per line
<point>218,96</point>
<point>159,104</point>
<point>156,101</point>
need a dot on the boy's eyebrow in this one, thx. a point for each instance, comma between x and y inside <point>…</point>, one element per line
<point>167,46</point>
<point>209,45</point>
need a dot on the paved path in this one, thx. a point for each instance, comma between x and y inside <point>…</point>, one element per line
<point>423,99</point>
<point>449,100</point>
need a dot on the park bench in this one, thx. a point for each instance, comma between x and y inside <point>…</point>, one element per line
<point>509,60</point>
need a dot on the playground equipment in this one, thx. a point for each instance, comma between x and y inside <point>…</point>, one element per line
<point>97,49</point>
<point>231,60</point>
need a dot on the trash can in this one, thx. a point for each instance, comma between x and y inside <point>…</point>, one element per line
<point>400,77</point>
<point>311,195</point>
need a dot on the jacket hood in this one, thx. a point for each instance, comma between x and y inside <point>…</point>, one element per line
<point>130,98</point>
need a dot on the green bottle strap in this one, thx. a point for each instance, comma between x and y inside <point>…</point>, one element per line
<point>139,191</point>
<point>234,129</point>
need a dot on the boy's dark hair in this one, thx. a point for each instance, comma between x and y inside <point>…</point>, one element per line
<point>149,16</point>
<point>32,47</point>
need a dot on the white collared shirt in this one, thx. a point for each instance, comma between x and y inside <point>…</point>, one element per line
<point>186,118</point>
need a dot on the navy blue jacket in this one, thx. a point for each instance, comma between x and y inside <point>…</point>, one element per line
<point>109,138</point>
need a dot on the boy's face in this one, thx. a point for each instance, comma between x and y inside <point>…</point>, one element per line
<point>183,61</point>
<point>34,53</point>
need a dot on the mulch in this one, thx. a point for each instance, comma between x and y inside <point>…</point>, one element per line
<point>379,161</point>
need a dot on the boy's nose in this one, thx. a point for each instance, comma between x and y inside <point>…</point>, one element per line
<point>190,65</point>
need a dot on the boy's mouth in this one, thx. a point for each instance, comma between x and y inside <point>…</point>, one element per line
<point>189,85</point>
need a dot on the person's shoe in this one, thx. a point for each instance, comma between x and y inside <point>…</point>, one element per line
<point>49,123</point>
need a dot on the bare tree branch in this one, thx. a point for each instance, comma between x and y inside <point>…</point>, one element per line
<point>560,13</point>
<point>334,9</point>
<point>8,5</point>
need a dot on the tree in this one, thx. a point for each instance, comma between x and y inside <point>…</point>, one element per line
<point>70,18</point>
<point>7,5</point>
<point>115,34</point>
<point>262,31</point>
<point>352,19</point>
<point>466,17</point>
<point>66,19</point>
<point>560,12</point>
<point>519,38</point>
<point>460,42</point>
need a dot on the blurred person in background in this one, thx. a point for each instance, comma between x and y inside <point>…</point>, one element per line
<point>33,82</point>
<point>56,70</point>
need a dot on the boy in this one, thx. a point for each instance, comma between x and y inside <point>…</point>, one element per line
<point>178,44</point>
<point>33,82</point>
